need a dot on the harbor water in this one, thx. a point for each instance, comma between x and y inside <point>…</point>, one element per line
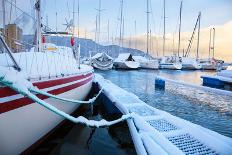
<point>212,111</point>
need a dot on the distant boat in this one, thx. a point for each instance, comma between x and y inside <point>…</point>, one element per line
<point>102,61</point>
<point>190,63</point>
<point>126,61</point>
<point>212,64</point>
<point>146,63</point>
<point>170,62</point>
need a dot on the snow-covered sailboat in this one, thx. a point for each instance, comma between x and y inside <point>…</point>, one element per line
<point>126,61</point>
<point>102,61</point>
<point>23,123</point>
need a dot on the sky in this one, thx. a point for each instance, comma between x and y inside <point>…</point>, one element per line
<point>215,13</point>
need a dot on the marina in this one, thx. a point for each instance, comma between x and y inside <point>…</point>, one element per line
<point>147,78</point>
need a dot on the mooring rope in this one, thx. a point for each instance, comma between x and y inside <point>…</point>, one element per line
<point>24,87</point>
<point>90,101</point>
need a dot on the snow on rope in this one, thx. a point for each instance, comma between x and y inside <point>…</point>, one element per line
<point>24,87</point>
<point>90,101</point>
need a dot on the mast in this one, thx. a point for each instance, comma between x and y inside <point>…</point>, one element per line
<point>78,18</point>
<point>108,35</point>
<point>180,28</point>
<point>213,40</point>
<point>135,35</point>
<point>148,26</point>
<point>198,36</point>
<point>73,18</point>
<point>120,38</point>
<point>38,28</point>
<point>210,36</point>
<point>164,31</point>
<point>4,17</point>
<point>99,24</point>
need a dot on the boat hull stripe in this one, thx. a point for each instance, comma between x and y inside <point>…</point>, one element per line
<point>11,105</point>
<point>5,91</point>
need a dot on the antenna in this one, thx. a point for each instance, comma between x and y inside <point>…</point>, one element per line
<point>180,28</point>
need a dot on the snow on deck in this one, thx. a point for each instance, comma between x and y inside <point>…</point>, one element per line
<point>157,132</point>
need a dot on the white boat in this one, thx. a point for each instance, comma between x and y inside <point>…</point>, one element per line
<point>190,63</point>
<point>126,61</point>
<point>212,64</point>
<point>147,63</point>
<point>170,62</point>
<point>23,123</point>
<point>102,61</point>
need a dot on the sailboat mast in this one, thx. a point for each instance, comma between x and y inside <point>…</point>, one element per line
<point>198,37</point>
<point>73,18</point>
<point>99,21</point>
<point>38,30</point>
<point>164,37</point>
<point>135,36</point>
<point>180,28</point>
<point>108,35</point>
<point>78,18</point>
<point>120,37</point>
<point>4,17</point>
<point>213,40</point>
<point>148,26</point>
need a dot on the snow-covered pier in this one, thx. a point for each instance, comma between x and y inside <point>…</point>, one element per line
<point>157,132</point>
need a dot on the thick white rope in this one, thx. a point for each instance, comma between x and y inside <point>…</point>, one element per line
<point>90,101</point>
<point>23,87</point>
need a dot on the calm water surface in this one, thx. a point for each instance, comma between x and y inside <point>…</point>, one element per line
<point>209,110</point>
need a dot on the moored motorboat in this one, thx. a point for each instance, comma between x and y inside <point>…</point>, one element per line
<point>190,63</point>
<point>126,61</point>
<point>146,63</point>
<point>212,64</point>
<point>170,62</point>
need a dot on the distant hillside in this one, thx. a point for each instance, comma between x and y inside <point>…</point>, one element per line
<point>87,46</point>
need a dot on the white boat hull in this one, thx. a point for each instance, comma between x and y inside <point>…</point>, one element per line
<point>126,65</point>
<point>191,66</point>
<point>172,66</point>
<point>22,127</point>
<point>149,65</point>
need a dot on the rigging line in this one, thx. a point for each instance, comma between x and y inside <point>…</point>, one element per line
<point>20,9</point>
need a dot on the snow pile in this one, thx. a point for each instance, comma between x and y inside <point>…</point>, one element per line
<point>225,73</point>
<point>44,64</point>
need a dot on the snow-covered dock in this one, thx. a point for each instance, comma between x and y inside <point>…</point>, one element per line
<point>157,132</point>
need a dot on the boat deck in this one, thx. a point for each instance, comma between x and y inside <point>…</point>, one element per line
<point>157,132</point>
